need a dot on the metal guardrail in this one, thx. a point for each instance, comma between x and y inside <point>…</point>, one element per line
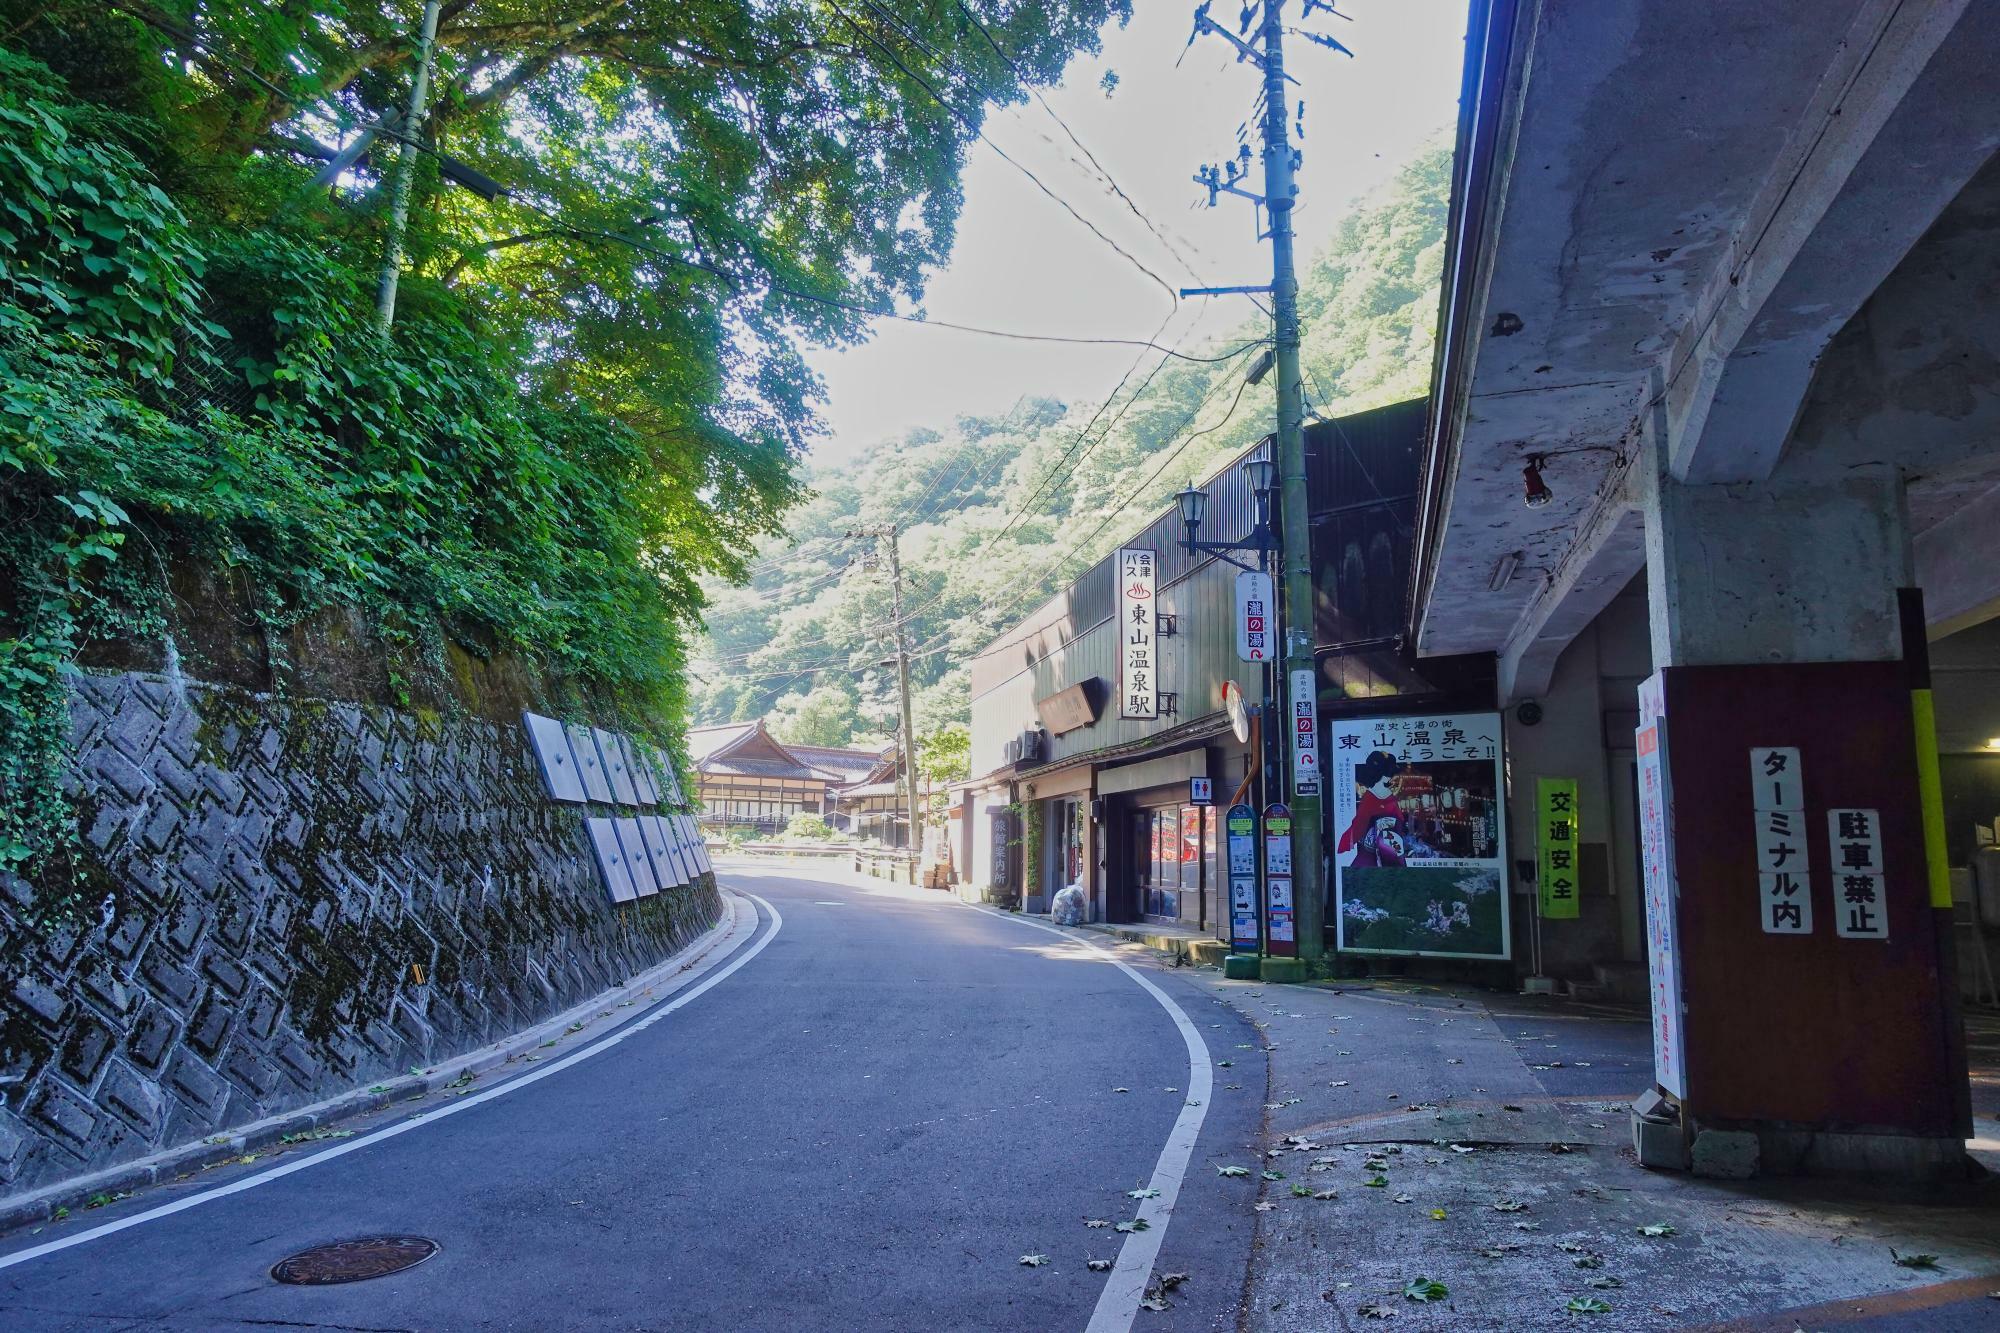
<point>891,863</point>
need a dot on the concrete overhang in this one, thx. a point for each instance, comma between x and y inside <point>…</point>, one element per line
<point>1662,213</point>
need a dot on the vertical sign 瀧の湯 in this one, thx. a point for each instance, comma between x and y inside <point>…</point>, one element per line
<point>1138,655</point>
<point>1305,733</point>
<point>1555,835</point>
<point>1254,597</point>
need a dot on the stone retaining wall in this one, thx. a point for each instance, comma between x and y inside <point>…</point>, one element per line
<point>289,899</point>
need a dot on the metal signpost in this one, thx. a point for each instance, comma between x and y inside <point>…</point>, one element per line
<point>1244,918</point>
<point>1280,913</point>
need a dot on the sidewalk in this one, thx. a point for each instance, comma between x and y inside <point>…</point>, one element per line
<point>1481,1141</point>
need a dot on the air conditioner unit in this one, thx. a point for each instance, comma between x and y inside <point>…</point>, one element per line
<point>1032,746</point>
<point>1010,753</point>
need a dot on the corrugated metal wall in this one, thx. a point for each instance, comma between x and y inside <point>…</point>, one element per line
<point>1361,483</point>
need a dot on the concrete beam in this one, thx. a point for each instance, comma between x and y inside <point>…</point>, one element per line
<point>1958,566</point>
<point>1901,120</point>
<point>1598,568</point>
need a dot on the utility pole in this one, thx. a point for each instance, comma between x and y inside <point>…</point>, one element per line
<point>889,533</point>
<point>406,170</point>
<point>1299,685</point>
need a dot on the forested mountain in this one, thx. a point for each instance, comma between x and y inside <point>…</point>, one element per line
<point>997,512</point>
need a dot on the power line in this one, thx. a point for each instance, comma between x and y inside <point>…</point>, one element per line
<point>974,126</point>
<point>853,307</point>
<point>1145,486</point>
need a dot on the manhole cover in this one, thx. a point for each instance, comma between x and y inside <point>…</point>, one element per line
<point>353,1260</point>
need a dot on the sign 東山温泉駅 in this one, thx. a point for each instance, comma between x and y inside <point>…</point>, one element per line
<point>1419,835</point>
<point>1555,837</point>
<point>1138,654</point>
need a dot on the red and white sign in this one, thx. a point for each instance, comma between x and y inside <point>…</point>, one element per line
<point>1305,733</point>
<point>1256,616</point>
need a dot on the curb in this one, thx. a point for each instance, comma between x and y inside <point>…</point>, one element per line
<point>253,1138</point>
<point>1200,952</point>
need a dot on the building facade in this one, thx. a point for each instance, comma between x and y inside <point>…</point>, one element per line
<point>746,778</point>
<point>1067,789</point>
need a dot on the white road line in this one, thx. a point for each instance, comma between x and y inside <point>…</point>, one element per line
<point>421,1119</point>
<point>1118,1306</point>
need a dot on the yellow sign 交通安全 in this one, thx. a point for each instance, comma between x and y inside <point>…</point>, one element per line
<point>1555,835</point>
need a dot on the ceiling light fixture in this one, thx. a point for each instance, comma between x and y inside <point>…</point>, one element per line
<point>1537,490</point>
<point>1503,570</point>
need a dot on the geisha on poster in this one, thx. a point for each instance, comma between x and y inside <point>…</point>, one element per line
<point>1419,835</point>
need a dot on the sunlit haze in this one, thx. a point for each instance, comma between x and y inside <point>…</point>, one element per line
<point>1022,263</point>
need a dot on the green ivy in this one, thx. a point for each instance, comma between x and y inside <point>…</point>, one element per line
<point>221,394</point>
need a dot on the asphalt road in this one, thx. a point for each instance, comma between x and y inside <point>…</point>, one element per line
<point>865,1126</point>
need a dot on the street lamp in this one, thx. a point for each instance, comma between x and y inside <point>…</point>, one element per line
<point>1262,475</point>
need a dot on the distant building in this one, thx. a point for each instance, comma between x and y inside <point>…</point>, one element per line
<point>747,778</point>
<point>1068,787</point>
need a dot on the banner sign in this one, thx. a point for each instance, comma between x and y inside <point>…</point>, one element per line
<point>1778,797</point>
<point>1555,835</point>
<point>1254,599</point>
<point>1138,678</point>
<point>1663,963</point>
<point>1280,933</point>
<point>1305,733</point>
<point>1241,826</point>
<point>1420,835</point>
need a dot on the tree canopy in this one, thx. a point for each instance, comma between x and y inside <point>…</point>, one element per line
<point>593,394</point>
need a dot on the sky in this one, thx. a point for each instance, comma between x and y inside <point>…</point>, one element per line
<point>1022,263</point>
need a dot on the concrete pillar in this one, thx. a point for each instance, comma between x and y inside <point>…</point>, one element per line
<point>1827,1042</point>
<point>1803,570</point>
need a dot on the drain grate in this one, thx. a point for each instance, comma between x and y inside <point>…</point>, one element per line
<point>353,1260</point>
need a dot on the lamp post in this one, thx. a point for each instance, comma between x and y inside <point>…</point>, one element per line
<point>1262,474</point>
<point>1262,544</point>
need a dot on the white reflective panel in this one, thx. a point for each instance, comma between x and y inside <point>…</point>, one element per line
<point>671,790</point>
<point>552,754</point>
<point>677,845</point>
<point>610,860</point>
<point>616,771</point>
<point>695,844</point>
<point>665,868</point>
<point>642,772</point>
<point>637,863</point>
<point>583,744</point>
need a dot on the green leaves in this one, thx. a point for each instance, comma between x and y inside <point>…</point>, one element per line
<point>1587,1305</point>
<point>1424,1290</point>
<point>1232,1170</point>
<point>1923,1261</point>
